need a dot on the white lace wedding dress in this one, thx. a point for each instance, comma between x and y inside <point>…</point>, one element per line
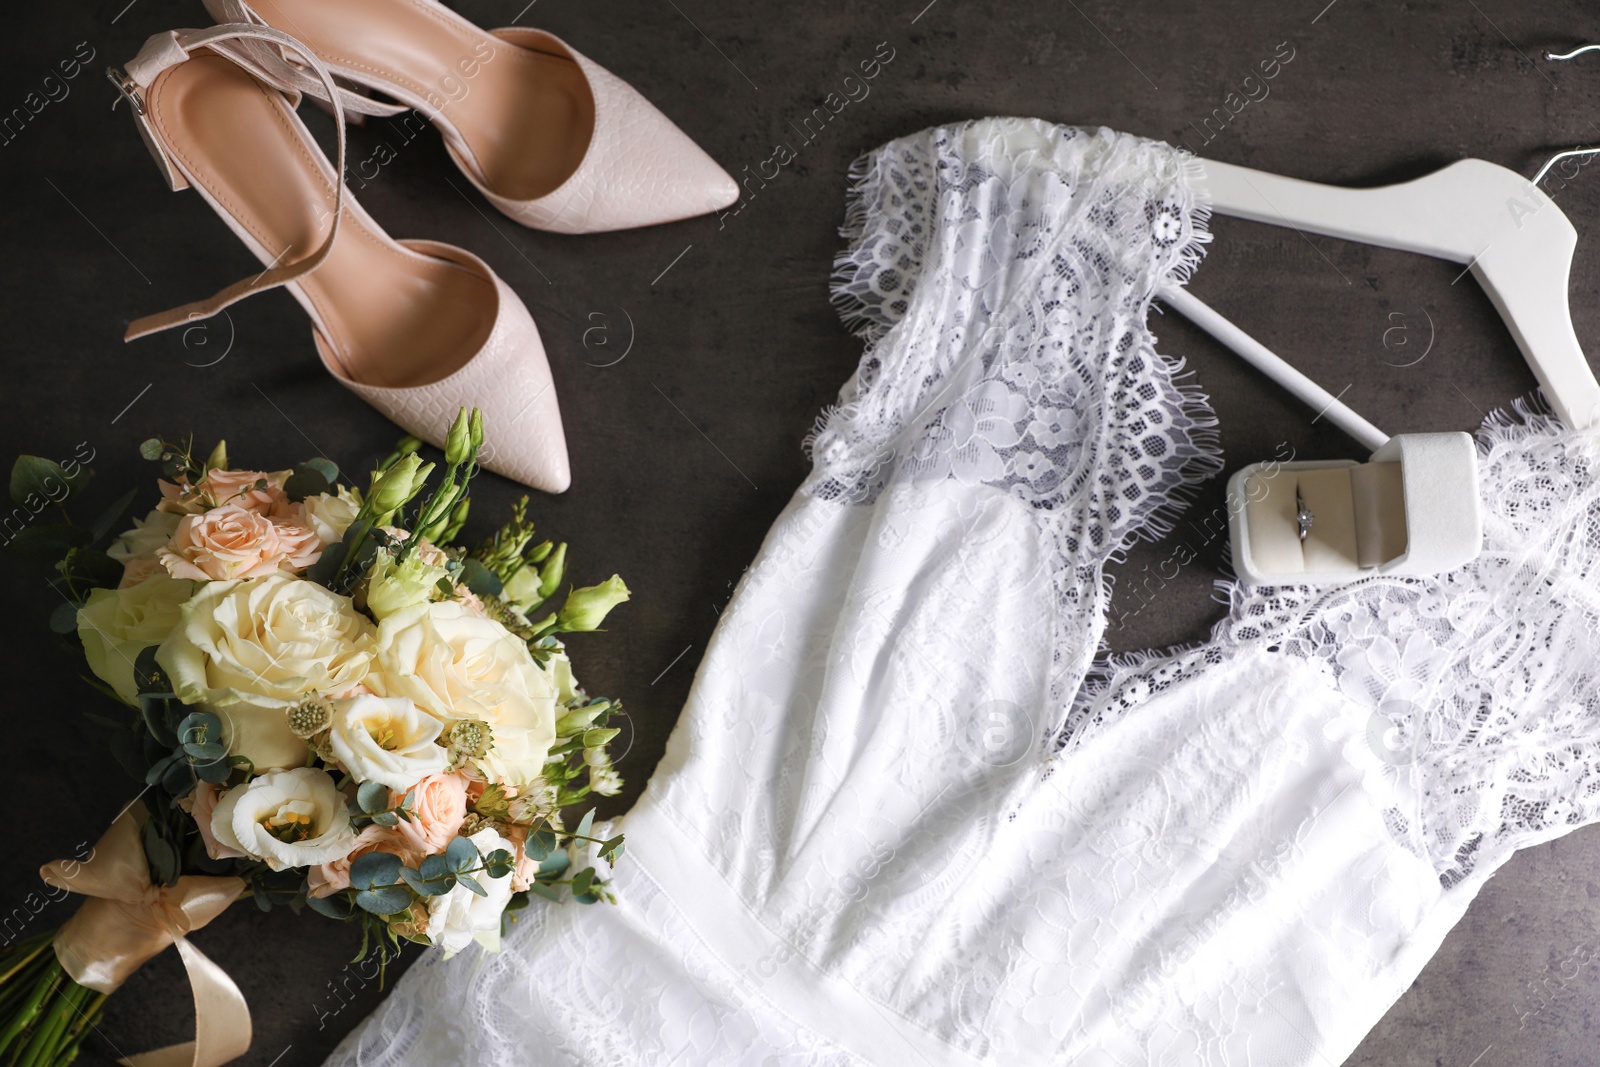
<point>900,823</point>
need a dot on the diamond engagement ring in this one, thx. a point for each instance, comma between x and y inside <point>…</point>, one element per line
<point>1303,515</point>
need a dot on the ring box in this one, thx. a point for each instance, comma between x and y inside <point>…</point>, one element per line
<point>1412,509</point>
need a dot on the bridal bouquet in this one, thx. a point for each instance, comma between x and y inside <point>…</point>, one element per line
<point>333,706</point>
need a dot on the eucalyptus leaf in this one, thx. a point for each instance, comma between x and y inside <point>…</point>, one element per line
<point>152,449</point>
<point>545,891</point>
<point>148,675</point>
<point>388,901</point>
<point>583,880</point>
<point>499,863</point>
<point>585,824</point>
<point>64,618</point>
<point>472,884</point>
<point>554,865</point>
<point>539,844</point>
<point>334,907</point>
<point>461,854</point>
<point>88,567</point>
<point>386,818</point>
<point>374,868</point>
<point>480,579</point>
<point>178,779</point>
<point>425,886</point>
<point>373,797</point>
<point>35,476</point>
<point>306,481</point>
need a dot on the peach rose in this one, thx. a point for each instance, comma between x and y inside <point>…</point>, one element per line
<point>206,796</point>
<point>239,488</point>
<point>440,807</point>
<point>326,879</point>
<point>230,542</point>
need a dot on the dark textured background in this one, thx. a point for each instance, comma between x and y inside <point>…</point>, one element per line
<point>739,336</point>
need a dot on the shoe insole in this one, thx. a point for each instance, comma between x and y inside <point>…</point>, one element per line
<point>391,316</point>
<point>525,116</point>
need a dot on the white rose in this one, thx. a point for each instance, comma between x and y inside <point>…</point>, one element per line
<point>386,739</point>
<point>267,642</point>
<point>329,516</point>
<point>115,625</point>
<point>460,917</point>
<point>292,818</point>
<point>455,665</point>
<point>148,534</point>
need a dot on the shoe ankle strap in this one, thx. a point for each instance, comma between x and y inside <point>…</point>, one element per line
<point>167,50</point>
<point>278,67</point>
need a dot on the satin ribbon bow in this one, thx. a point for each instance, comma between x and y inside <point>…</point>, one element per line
<point>126,921</point>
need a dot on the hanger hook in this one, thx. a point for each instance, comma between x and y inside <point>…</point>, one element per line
<point>1575,53</point>
<point>1570,153</point>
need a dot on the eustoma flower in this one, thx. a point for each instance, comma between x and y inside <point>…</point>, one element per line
<point>287,819</point>
<point>386,739</point>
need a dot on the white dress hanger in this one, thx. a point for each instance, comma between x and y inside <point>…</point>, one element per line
<point>1515,240</point>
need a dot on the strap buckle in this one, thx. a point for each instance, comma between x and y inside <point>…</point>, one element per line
<point>128,88</point>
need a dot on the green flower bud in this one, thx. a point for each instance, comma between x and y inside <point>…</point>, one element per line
<point>554,569</point>
<point>395,487</point>
<point>459,440</point>
<point>476,430</point>
<point>580,718</point>
<point>587,608</point>
<point>599,738</point>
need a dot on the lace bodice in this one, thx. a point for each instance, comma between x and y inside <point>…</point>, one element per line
<point>901,822</point>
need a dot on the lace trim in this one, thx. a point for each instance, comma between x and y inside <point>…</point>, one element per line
<point>1018,354</point>
<point>1481,686</point>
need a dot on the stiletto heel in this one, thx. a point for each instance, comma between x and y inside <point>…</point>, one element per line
<point>416,328</point>
<point>549,137</point>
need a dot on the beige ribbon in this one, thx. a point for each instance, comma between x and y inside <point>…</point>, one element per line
<point>126,921</point>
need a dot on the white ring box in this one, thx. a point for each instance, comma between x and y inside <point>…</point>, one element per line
<point>1412,509</point>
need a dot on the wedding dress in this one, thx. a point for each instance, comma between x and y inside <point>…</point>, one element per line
<point>903,819</point>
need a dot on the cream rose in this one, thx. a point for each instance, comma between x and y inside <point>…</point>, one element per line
<point>148,535</point>
<point>230,542</point>
<point>268,642</point>
<point>115,625</point>
<point>293,818</point>
<point>460,917</point>
<point>386,739</point>
<point>455,665</point>
<point>328,515</point>
<point>439,808</point>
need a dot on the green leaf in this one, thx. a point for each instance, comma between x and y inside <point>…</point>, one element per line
<point>35,476</point>
<point>480,579</point>
<point>472,884</point>
<point>546,892</point>
<point>374,868</point>
<point>310,478</point>
<point>337,906</point>
<point>426,886</point>
<point>216,771</point>
<point>88,567</point>
<point>586,898</point>
<point>585,824</point>
<point>148,675</point>
<point>386,818</point>
<point>387,901</point>
<point>327,565</point>
<point>111,516</point>
<point>48,544</point>
<point>64,619</point>
<point>178,779</point>
<point>165,863</point>
<point>152,449</point>
<point>499,863</point>
<point>373,797</point>
<point>461,854</point>
<point>554,865</point>
<point>438,870</point>
<point>539,844</point>
<point>582,881</point>
<point>158,769</point>
<point>611,850</point>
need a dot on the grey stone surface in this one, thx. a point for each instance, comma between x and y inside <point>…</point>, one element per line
<point>735,345</point>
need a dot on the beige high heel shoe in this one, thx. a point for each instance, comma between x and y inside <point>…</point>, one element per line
<point>549,137</point>
<point>418,329</point>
